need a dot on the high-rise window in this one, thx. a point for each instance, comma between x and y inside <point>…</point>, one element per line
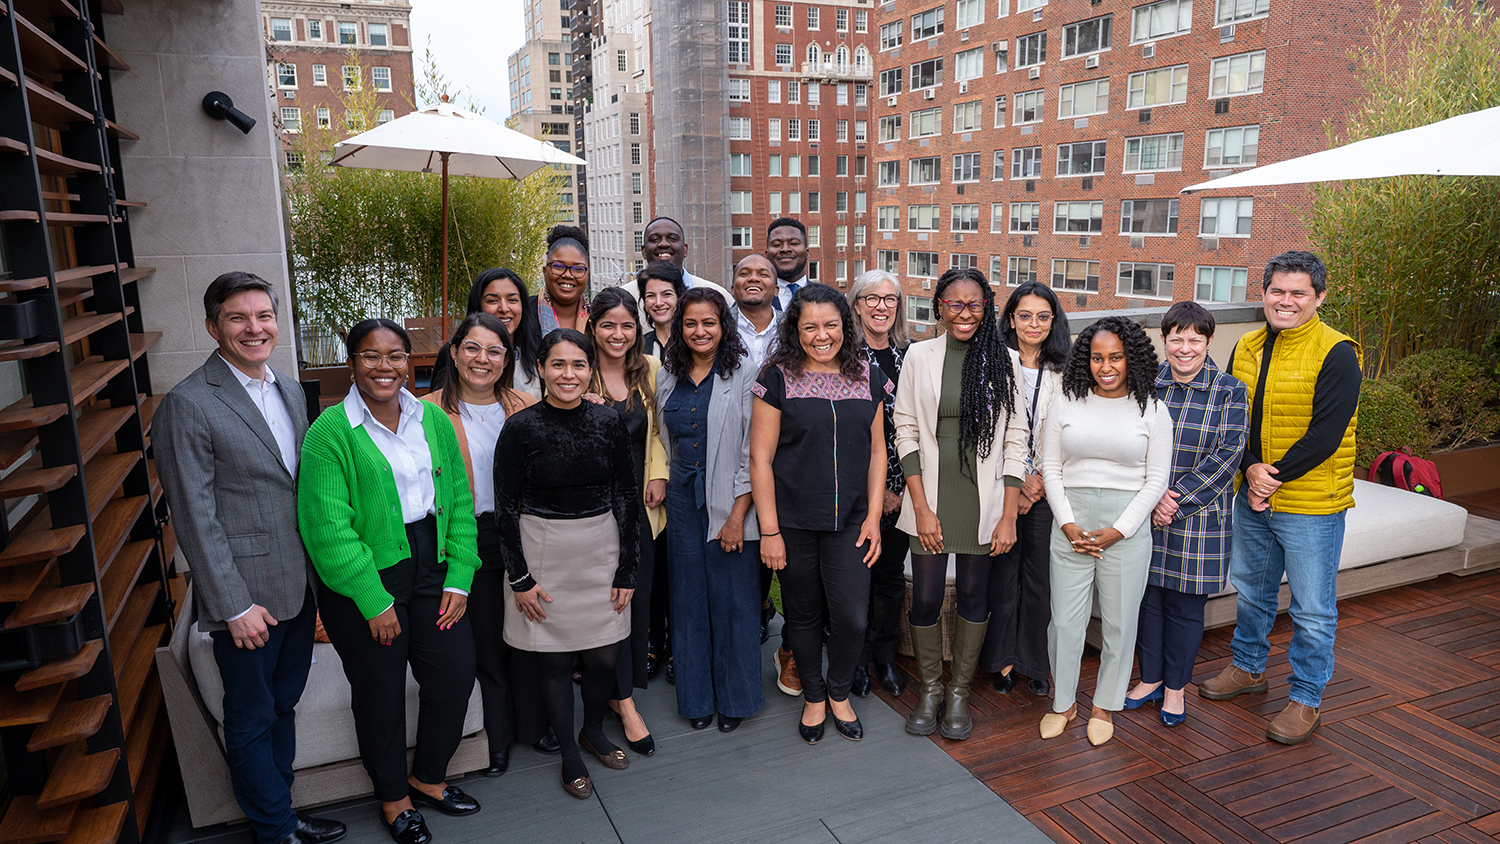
<point>351,77</point>
<point>1161,20</point>
<point>1230,11</point>
<point>1026,163</point>
<point>841,20</point>
<point>1227,217</point>
<point>1158,87</point>
<point>281,29</point>
<point>970,13</point>
<point>379,35</point>
<point>1025,217</point>
<point>1077,217</point>
<point>320,74</point>
<point>1029,107</point>
<point>783,16</point>
<point>1081,276</point>
<point>969,64</point>
<point>966,116</point>
<point>928,24</point>
<point>783,54</point>
<point>1236,147</point>
<point>291,119</point>
<point>1233,75</point>
<point>635,123</point>
<point>1031,49</point>
<point>1080,159</point>
<point>966,167</point>
<point>1153,281</point>
<point>890,35</point>
<point>1221,284</point>
<point>314,30</point>
<point>286,75</point>
<point>1090,36</point>
<point>1153,152</point>
<point>1148,216</point>
<point>1083,98</point>
<point>739,32</point>
<point>861,20</point>
<point>380,77</point>
<point>348,32</point>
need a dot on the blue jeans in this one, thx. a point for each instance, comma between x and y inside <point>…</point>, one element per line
<point>1306,549</point>
<point>261,690</point>
<point>715,612</point>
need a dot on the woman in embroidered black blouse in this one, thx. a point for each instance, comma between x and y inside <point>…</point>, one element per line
<point>818,400</point>
<point>567,497</point>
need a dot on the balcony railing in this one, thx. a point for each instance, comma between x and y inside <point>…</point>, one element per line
<point>830,69</point>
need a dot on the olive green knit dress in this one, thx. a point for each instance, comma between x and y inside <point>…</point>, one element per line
<point>957,493</point>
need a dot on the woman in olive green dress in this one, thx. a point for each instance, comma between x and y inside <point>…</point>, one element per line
<point>962,444</point>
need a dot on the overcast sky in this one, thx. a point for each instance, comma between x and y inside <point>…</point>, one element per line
<point>470,41</point>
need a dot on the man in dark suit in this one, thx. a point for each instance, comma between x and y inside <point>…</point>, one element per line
<point>227,441</point>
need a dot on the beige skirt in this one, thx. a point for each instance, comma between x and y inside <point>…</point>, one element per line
<point>574,561</point>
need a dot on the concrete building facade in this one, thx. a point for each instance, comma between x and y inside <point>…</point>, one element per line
<point>541,76</point>
<point>1050,140</point>
<point>320,49</point>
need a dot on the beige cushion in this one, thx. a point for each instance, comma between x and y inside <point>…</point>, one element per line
<point>325,724</point>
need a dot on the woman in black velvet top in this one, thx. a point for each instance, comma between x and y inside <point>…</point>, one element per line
<point>566,500</point>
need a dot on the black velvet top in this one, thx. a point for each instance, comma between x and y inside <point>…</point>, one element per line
<point>565,464</point>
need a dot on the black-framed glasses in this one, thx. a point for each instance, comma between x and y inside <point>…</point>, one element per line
<point>373,359</point>
<point>957,308</point>
<point>574,270</point>
<point>472,349</point>
<point>873,300</point>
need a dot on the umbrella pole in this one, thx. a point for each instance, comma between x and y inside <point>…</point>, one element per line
<point>444,267</point>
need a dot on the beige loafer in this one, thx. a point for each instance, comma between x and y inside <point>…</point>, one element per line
<point>1053,723</point>
<point>1100,731</point>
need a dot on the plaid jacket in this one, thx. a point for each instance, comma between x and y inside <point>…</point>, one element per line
<point>1210,417</point>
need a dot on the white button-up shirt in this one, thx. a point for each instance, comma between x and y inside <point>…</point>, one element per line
<point>757,342</point>
<point>268,400</point>
<point>786,290</point>
<point>405,449</point>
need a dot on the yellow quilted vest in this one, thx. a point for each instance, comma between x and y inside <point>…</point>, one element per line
<point>1297,357</point>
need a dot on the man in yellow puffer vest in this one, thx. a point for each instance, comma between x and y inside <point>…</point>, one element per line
<point>1297,483</point>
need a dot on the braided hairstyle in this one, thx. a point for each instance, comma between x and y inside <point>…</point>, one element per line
<point>987,388</point>
<point>1140,361</point>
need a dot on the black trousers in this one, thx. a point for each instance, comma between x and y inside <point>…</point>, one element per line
<point>631,669</point>
<point>491,654</point>
<point>1170,631</point>
<point>887,587</point>
<point>825,567</point>
<point>442,661</point>
<point>1020,599</point>
<point>660,597</point>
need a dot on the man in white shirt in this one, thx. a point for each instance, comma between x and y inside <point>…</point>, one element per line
<point>665,240</point>
<point>755,315</point>
<point>786,247</point>
<point>227,442</point>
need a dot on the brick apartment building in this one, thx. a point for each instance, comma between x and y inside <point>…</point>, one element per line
<point>310,42</point>
<point>541,79</point>
<point>1049,140</point>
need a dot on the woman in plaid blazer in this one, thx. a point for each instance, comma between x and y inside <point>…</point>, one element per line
<point>1191,525</point>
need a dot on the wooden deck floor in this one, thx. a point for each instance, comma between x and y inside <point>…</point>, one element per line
<point>1409,749</point>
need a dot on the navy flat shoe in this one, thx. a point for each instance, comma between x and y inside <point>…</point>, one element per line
<point>1154,697</point>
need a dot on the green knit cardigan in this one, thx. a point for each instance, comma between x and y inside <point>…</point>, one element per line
<point>350,512</point>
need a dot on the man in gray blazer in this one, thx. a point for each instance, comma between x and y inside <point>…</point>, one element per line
<point>227,439</point>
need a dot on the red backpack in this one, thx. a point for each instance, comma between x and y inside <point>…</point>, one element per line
<point>1403,470</point>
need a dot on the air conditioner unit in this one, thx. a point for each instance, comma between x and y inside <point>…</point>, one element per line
<point>958,238</point>
<point>1037,15</point>
<point>929,94</point>
<point>963,87</point>
<point>1001,46</point>
<point>1034,73</point>
<point>964,35</point>
<point>1226,33</point>
<point>926,284</point>
<point>1148,51</point>
<point>1091,61</point>
<point>890,101</point>
<point>289,95</point>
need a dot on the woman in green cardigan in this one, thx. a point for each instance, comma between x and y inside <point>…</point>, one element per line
<point>385,510</point>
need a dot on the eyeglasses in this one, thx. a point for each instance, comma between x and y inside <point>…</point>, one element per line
<point>575,270</point>
<point>875,300</point>
<point>1040,319</point>
<point>472,349</point>
<point>373,359</point>
<point>957,308</point>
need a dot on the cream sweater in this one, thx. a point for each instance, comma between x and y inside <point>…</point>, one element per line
<point>1107,444</point>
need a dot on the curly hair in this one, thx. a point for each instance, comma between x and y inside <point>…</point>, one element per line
<point>677,358</point>
<point>787,351</point>
<point>1140,361</point>
<point>562,235</point>
<point>987,389</point>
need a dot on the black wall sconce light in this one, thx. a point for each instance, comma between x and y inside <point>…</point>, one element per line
<point>219,106</point>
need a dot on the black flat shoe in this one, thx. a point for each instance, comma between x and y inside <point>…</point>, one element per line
<point>454,801</point>
<point>645,746</point>
<point>767,612</point>
<point>860,685</point>
<point>851,730</point>
<point>499,763</point>
<point>700,723</point>
<point>889,678</point>
<point>811,735</point>
<point>671,672</point>
<point>653,665</point>
<point>1004,683</point>
<point>727,724</point>
<point>409,828</point>
<point>314,830</point>
<point>1040,688</point>
<point>548,743</point>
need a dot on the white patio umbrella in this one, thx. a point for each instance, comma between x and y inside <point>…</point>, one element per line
<point>1467,145</point>
<point>459,142</point>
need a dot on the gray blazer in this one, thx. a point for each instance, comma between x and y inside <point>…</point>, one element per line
<point>233,502</point>
<point>728,470</point>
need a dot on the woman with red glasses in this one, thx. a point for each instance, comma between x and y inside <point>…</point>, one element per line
<point>961,434</point>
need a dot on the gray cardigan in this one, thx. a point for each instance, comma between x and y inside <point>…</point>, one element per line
<point>728,471</point>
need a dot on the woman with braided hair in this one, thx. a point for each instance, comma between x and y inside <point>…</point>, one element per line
<point>563,302</point>
<point>961,434</point>
<point>1106,458</point>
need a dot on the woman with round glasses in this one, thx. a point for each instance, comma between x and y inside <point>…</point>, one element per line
<point>387,517</point>
<point>1033,323</point>
<point>961,432</point>
<point>502,294</point>
<point>478,399</point>
<point>880,328</point>
<point>563,302</point>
